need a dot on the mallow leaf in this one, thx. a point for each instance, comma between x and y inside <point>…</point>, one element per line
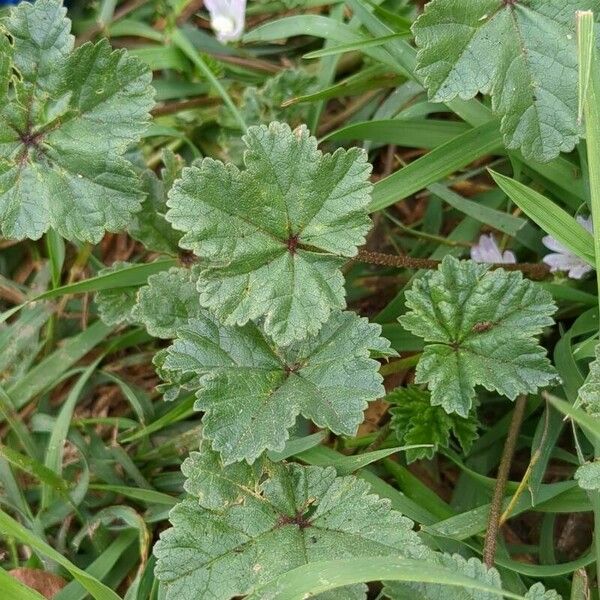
<point>589,392</point>
<point>263,522</point>
<point>67,117</point>
<point>116,305</point>
<point>480,327</point>
<point>149,225</point>
<point>415,421</point>
<point>272,237</point>
<point>168,302</point>
<point>588,476</point>
<point>252,391</point>
<point>473,568</point>
<point>521,52</point>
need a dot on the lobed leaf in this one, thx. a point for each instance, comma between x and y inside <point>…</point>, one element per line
<point>521,52</point>
<point>272,238</point>
<point>116,305</point>
<point>588,476</point>
<point>168,302</point>
<point>149,225</point>
<point>244,526</point>
<point>480,326</point>
<point>252,391</point>
<point>415,421</point>
<point>67,118</point>
<point>589,392</point>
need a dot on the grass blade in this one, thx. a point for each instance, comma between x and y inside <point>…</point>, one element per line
<point>309,580</point>
<point>10,527</point>
<point>439,163</point>
<point>550,217</point>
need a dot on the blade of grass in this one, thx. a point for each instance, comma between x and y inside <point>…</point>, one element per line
<point>589,89</point>
<point>8,526</point>
<point>352,46</point>
<point>47,372</point>
<point>437,164</point>
<point>102,566</point>
<point>318,577</point>
<point>348,464</point>
<point>16,590</point>
<point>413,133</point>
<point>128,277</point>
<point>550,217</point>
<point>54,450</point>
<point>180,40</point>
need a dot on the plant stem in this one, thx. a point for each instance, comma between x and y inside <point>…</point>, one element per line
<point>589,95</point>
<point>532,270</point>
<point>491,536</point>
<point>179,38</point>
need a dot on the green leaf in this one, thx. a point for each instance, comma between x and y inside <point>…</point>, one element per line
<point>257,524</point>
<point>306,581</point>
<point>550,217</point>
<point>480,326</point>
<point>96,589</point>
<point>416,421</point>
<point>68,117</point>
<point>274,236</point>
<point>252,392</point>
<point>149,225</point>
<point>472,568</point>
<point>266,104</point>
<point>168,302</point>
<point>115,306</point>
<point>589,392</point>
<point>588,476</point>
<point>539,592</point>
<point>521,53</point>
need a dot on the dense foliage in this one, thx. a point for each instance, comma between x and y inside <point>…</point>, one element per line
<point>298,300</point>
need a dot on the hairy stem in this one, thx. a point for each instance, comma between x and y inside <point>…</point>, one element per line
<point>532,270</point>
<point>493,529</point>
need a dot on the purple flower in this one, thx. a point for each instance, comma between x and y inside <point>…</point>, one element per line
<point>227,18</point>
<point>487,251</point>
<point>562,259</point>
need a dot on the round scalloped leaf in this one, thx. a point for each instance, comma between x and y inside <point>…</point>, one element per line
<point>480,327</point>
<point>168,302</point>
<point>522,52</point>
<point>272,237</point>
<point>251,392</point>
<point>65,122</point>
<point>265,522</point>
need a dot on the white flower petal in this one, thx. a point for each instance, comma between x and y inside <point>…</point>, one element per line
<point>227,18</point>
<point>509,257</point>
<point>574,266</point>
<point>586,223</point>
<point>578,271</point>
<point>554,245</point>
<point>486,250</point>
